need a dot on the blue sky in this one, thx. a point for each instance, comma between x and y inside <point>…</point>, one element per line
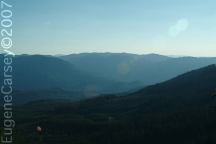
<point>170,27</point>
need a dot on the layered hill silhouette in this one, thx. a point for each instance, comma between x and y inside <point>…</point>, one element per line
<point>36,72</point>
<point>106,72</point>
<point>146,69</point>
<point>79,76</point>
<point>190,90</point>
<point>180,110</point>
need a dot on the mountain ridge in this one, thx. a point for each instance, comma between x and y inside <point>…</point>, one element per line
<point>36,72</point>
<point>180,110</point>
<point>131,67</point>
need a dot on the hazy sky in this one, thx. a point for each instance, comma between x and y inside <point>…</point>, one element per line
<point>171,27</point>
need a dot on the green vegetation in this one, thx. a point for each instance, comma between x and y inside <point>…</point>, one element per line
<point>180,111</point>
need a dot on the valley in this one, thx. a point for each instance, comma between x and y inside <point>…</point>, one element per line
<point>181,108</point>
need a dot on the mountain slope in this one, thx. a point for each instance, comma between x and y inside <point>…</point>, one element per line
<point>147,69</point>
<point>45,72</point>
<point>118,66</point>
<point>181,110</point>
<point>191,89</point>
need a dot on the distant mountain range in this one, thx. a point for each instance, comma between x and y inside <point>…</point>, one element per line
<point>92,74</point>
<point>145,69</point>
<point>36,72</point>
<point>180,110</point>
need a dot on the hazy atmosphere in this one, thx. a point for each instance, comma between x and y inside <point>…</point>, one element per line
<point>108,72</point>
<point>180,27</point>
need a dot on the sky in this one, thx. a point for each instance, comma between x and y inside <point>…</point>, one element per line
<point>168,27</point>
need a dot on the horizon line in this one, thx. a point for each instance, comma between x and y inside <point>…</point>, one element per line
<point>77,53</point>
